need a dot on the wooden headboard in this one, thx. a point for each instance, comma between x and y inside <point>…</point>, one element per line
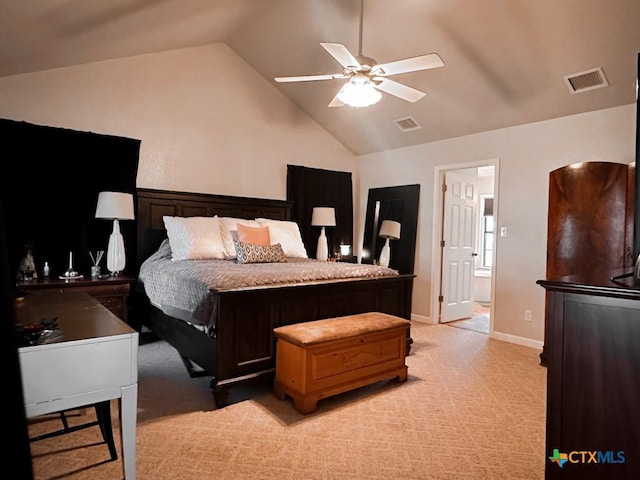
<point>152,205</point>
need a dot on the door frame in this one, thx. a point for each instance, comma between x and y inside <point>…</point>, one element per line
<point>438,222</point>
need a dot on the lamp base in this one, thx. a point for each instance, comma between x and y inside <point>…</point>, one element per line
<point>385,254</point>
<point>322,252</point>
<point>116,259</point>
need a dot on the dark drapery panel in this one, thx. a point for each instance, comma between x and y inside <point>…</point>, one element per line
<point>18,449</point>
<point>314,187</point>
<point>50,187</point>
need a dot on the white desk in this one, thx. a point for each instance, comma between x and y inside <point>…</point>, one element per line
<point>95,360</point>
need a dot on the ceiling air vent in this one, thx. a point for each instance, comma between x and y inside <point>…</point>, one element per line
<point>584,81</point>
<point>407,124</point>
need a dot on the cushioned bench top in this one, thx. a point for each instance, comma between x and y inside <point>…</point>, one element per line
<point>339,328</point>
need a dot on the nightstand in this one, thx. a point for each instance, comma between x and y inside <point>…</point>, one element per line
<point>112,292</point>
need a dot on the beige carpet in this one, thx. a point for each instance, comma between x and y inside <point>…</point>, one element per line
<point>473,408</point>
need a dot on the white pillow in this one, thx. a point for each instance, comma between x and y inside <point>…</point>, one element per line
<point>194,238</point>
<point>287,234</point>
<point>229,233</point>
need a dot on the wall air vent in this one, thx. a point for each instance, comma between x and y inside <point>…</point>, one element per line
<point>585,81</point>
<point>407,124</point>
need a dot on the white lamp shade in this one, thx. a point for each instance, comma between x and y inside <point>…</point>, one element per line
<point>115,205</point>
<point>323,217</point>
<point>390,229</point>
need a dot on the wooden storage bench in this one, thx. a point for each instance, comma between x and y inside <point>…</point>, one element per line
<point>315,360</point>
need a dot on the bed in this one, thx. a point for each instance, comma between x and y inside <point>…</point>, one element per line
<point>228,333</point>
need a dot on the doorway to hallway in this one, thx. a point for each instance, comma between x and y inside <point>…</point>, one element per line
<point>476,287</point>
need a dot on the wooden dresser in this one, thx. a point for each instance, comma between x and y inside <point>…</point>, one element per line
<point>593,378</point>
<point>112,292</point>
<point>590,222</point>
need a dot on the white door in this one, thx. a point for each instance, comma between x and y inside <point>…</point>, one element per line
<point>458,247</point>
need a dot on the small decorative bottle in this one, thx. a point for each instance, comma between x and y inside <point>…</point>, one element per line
<point>45,270</point>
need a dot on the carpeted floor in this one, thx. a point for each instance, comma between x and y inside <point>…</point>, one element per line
<point>473,408</point>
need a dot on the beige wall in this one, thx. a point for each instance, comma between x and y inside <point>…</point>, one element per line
<point>526,156</point>
<point>208,122</point>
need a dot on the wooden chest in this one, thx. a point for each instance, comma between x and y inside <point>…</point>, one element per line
<point>315,360</point>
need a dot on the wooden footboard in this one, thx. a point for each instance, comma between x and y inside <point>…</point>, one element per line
<point>246,320</point>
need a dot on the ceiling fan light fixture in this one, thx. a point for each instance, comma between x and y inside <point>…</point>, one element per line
<point>367,78</point>
<point>359,92</point>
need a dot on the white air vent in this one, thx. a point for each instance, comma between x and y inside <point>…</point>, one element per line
<point>585,81</point>
<point>407,124</point>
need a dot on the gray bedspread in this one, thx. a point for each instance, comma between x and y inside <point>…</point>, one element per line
<point>182,289</point>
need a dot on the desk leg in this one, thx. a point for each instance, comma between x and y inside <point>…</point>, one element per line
<point>128,415</point>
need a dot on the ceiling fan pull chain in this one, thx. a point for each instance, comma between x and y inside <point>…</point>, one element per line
<point>361,23</point>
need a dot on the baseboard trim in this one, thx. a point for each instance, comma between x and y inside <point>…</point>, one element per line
<point>421,319</point>
<point>504,337</point>
<point>526,342</point>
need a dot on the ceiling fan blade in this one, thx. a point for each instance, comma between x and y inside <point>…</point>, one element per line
<point>336,102</point>
<point>341,54</point>
<point>413,64</point>
<point>309,78</point>
<point>398,89</point>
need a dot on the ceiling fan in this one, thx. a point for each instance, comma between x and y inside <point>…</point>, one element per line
<point>366,78</point>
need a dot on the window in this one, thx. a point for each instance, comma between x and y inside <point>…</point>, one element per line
<point>487,233</point>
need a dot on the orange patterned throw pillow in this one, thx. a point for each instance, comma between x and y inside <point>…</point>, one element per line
<point>254,235</point>
<point>251,253</point>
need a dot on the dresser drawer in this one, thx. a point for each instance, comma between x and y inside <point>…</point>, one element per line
<point>73,368</point>
<point>115,304</point>
<point>105,290</point>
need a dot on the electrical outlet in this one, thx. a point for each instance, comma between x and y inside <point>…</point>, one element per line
<point>527,315</point>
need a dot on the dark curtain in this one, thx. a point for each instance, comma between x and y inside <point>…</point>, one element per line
<point>314,187</point>
<point>18,450</point>
<point>50,187</point>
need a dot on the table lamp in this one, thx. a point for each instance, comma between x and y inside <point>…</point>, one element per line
<point>115,206</point>
<point>391,231</point>
<point>323,217</point>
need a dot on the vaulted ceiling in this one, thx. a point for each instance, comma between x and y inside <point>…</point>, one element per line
<point>505,60</point>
